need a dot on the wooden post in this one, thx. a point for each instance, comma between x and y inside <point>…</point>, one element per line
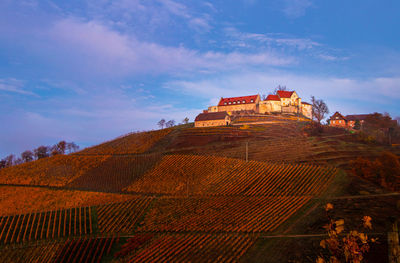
<point>247,151</point>
<point>393,244</point>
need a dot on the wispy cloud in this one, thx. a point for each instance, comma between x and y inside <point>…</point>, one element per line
<point>14,86</point>
<point>296,8</point>
<point>332,57</point>
<point>149,14</point>
<point>273,39</point>
<point>99,47</point>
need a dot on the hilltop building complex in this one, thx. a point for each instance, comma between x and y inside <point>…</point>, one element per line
<point>348,121</point>
<point>287,102</point>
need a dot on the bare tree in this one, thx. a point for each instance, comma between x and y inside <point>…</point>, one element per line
<point>185,120</point>
<point>319,109</point>
<point>2,164</point>
<point>278,89</point>
<point>161,123</point>
<point>263,97</point>
<point>27,156</point>
<point>71,147</point>
<point>18,161</point>
<point>170,123</point>
<point>41,152</point>
<point>61,146</point>
<point>9,160</point>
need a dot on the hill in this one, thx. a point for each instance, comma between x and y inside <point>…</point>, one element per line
<point>187,193</point>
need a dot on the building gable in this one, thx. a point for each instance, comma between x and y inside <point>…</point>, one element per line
<point>337,116</point>
<point>283,94</point>
<point>238,100</point>
<point>273,98</point>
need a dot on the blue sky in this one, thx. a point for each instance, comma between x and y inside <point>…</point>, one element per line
<point>91,70</point>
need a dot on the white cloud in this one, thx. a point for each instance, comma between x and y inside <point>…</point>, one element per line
<point>331,57</point>
<point>296,8</point>
<point>149,14</point>
<point>344,94</point>
<point>95,46</point>
<point>176,8</point>
<point>15,86</point>
<point>245,39</point>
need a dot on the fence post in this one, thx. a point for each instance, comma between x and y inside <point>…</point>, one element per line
<point>393,243</point>
<point>247,151</point>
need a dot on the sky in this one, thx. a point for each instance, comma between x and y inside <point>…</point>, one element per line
<point>88,71</point>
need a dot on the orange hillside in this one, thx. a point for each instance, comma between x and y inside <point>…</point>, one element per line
<point>210,175</point>
<point>21,199</point>
<point>58,170</point>
<point>133,143</point>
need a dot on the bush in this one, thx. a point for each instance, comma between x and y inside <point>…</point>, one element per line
<point>384,170</point>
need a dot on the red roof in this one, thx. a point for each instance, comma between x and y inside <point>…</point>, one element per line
<point>211,116</point>
<point>285,94</point>
<point>337,115</point>
<point>238,100</point>
<point>273,97</point>
<point>356,117</point>
<point>306,103</point>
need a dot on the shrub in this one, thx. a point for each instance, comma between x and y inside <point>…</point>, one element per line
<point>384,170</point>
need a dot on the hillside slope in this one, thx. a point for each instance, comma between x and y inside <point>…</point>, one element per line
<point>188,193</point>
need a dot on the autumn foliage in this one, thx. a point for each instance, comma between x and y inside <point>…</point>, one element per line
<point>384,170</point>
<point>348,247</point>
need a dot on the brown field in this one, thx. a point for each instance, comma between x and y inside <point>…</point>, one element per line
<point>58,170</point>
<point>139,142</point>
<point>20,199</point>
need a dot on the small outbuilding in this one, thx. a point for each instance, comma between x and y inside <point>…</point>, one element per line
<point>338,120</point>
<point>209,119</point>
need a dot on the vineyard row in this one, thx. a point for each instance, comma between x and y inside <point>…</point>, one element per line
<point>211,175</point>
<point>215,214</point>
<point>44,225</point>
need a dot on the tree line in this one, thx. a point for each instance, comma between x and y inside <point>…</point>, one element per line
<point>171,123</point>
<point>40,152</point>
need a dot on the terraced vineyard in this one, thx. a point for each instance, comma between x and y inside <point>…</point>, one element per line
<point>216,214</point>
<point>45,225</point>
<point>57,171</point>
<point>15,199</point>
<point>84,250</point>
<point>180,175</point>
<point>121,217</point>
<point>139,142</point>
<point>143,198</point>
<point>190,248</point>
<point>115,173</point>
<point>35,252</point>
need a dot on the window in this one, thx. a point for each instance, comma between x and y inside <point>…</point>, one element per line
<point>251,100</point>
<point>224,103</point>
<point>230,103</point>
<point>243,101</point>
<point>238,101</point>
<point>234,102</point>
